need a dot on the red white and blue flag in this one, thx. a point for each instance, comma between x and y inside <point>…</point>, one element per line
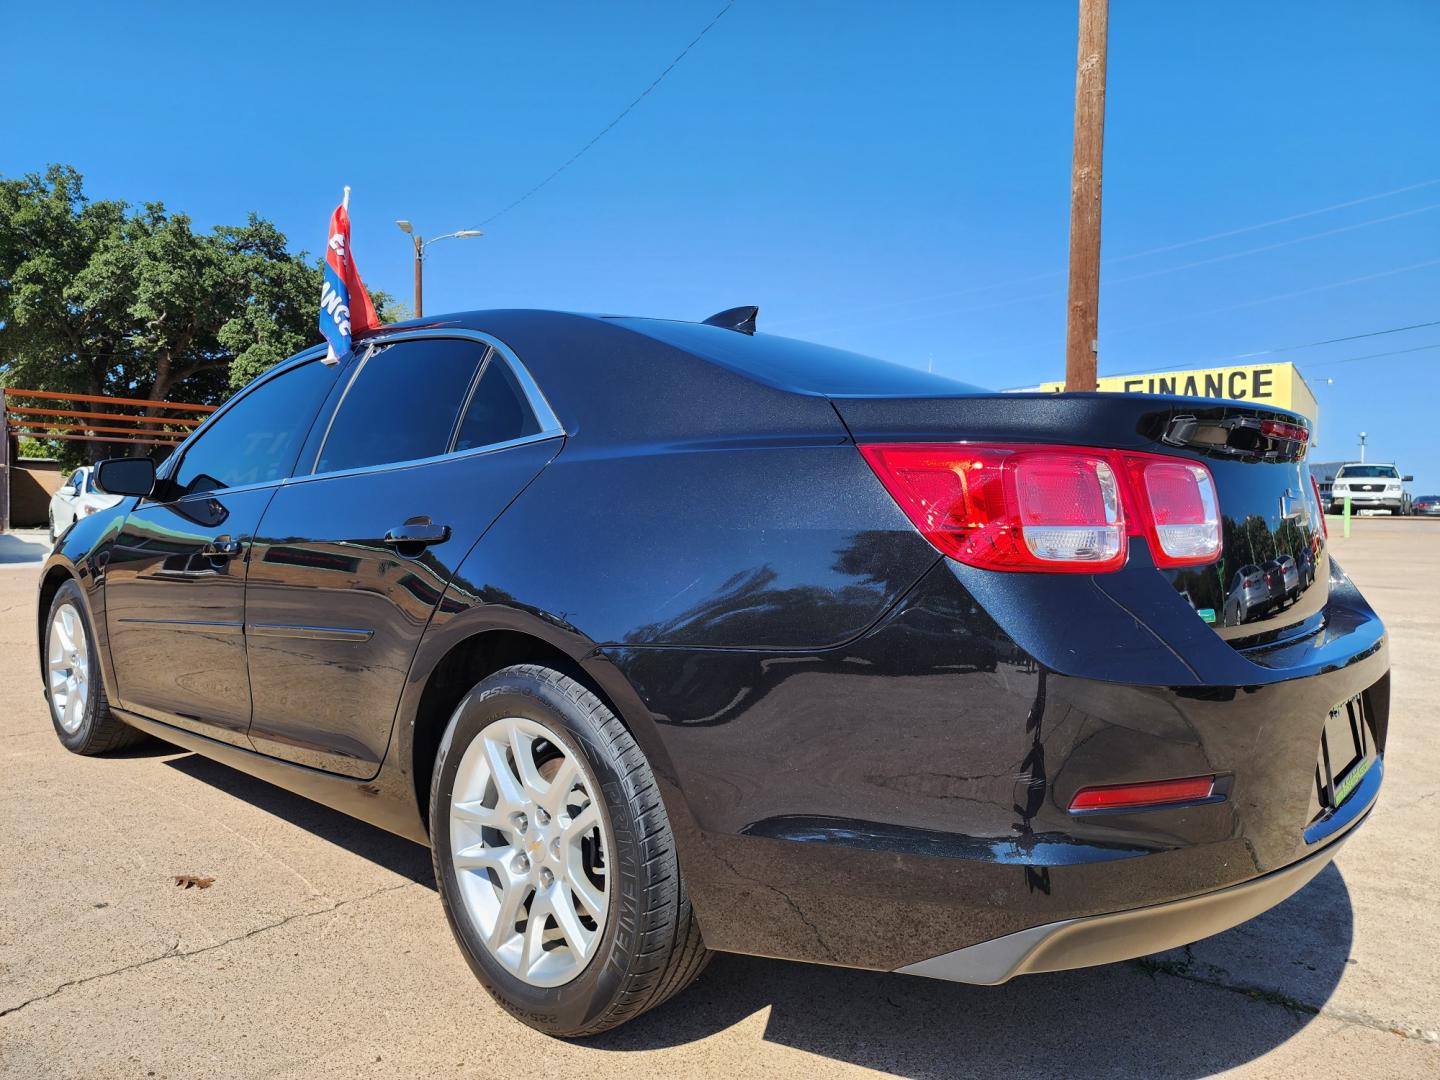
<point>345,307</point>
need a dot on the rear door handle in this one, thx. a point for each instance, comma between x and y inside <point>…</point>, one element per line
<point>418,534</point>
<point>223,548</point>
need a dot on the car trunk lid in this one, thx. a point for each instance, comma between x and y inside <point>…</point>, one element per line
<point>1272,577</point>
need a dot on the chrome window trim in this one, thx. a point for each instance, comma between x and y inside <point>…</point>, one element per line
<point>213,493</point>
<point>550,426</point>
<point>415,463</point>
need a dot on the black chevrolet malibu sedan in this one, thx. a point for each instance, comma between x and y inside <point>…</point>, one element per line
<point>672,637</point>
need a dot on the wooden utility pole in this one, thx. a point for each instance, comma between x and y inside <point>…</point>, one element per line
<point>1083,319</point>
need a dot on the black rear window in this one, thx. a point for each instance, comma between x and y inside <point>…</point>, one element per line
<point>498,411</point>
<point>798,366</point>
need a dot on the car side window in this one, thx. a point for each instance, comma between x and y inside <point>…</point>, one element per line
<point>498,411</point>
<point>402,404</point>
<point>257,439</point>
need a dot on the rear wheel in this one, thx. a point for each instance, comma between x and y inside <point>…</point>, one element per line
<point>79,708</point>
<point>555,859</point>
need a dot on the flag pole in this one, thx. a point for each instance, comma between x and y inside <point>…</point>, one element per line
<point>345,202</point>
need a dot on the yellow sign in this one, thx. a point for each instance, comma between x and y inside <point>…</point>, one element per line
<point>1272,384</point>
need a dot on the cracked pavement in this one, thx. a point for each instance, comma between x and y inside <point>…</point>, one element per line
<point>321,947</point>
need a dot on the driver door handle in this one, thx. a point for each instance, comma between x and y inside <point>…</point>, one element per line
<point>420,534</point>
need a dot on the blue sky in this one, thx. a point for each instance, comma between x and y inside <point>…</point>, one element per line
<point>892,179</point>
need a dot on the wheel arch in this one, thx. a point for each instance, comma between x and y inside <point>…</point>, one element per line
<point>468,661</point>
<point>453,657</point>
<point>51,580</point>
<point>57,570</point>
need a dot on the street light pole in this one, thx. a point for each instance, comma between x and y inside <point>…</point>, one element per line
<point>419,276</point>
<point>420,245</point>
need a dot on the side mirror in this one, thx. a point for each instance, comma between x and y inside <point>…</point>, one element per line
<point>1407,479</point>
<point>126,476</point>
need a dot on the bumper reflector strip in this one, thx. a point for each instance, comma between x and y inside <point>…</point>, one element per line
<point>1142,796</point>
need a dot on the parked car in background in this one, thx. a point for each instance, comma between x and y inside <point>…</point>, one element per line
<point>1305,558</point>
<point>78,497</point>
<point>673,637</point>
<point>1370,487</point>
<point>1427,505</point>
<point>1289,576</point>
<point>1274,581</point>
<point>1249,593</point>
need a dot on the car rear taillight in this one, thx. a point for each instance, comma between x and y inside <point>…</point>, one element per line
<point>1184,513</point>
<point>1143,796</point>
<point>1051,508</point>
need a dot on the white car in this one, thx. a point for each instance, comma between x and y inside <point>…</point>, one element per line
<point>1370,487</point>
<point>78,497</point>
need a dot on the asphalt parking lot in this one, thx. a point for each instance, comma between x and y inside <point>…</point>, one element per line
<point>320,948</point>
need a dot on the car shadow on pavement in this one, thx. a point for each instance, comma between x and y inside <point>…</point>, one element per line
<point>1186,1013</point>
<point>1179,1014</point>
<point>394,853</point>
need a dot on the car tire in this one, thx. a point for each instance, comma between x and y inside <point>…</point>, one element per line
<point>74,687</point>
<point>645,945</point>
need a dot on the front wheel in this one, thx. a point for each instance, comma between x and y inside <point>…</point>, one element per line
<point>74,688</point>
<point>555,859</point>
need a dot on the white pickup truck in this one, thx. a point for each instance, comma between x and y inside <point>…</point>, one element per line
<point>1370,487</point>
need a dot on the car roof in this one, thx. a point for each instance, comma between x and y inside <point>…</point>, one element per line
<point>800,367</point>
<point>620,378</point>
<point>789,364</point>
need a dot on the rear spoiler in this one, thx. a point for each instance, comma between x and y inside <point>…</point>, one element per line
<point>1122,421</point>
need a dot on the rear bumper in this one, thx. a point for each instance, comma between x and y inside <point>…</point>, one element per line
<point>1124,935</point>
<point>906,796</point>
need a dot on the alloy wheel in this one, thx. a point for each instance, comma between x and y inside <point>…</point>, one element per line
<point>68,660</point>
<point>529,846</point>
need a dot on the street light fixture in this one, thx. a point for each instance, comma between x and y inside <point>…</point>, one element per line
<point>420,245</point>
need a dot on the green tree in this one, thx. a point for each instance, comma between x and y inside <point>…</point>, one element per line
<point>100,298</point>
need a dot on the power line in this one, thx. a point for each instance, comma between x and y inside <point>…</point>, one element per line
<point>1048,274</point>
<point>1277,245</point>
<point>1296,348</point>
<point>1049,294</point>
<point>1277,221</point>
<point>1376,356</point>
<point>623,113</point>
<point>1332,341</point>
<point>1189,315</point>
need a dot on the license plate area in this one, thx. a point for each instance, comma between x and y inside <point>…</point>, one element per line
<point>1347,750</point>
